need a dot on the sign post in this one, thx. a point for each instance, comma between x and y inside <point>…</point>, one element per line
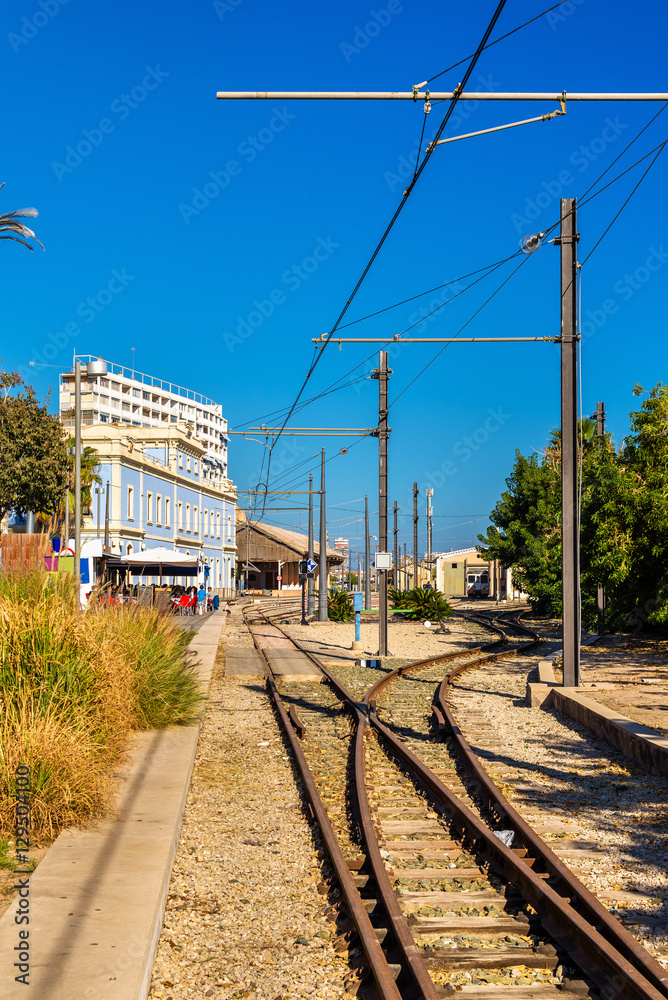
<point>303,573</point>
<point>358,603</point>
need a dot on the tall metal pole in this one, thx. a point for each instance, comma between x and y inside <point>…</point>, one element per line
<point>395,548</point>
<point>310,584</point>
<point>67,513</point>
<point>106,517</point>
<point>405,569</point>
<point>77,468</point>
<point>430,494</point>
<point>322,559</point>
<point>382,374</point>
<point>600,444</point>
<point>359,578</point>
<point>416,518</point>
<point>570,521</point>
<point>367,557</point>
<point>98,490</point>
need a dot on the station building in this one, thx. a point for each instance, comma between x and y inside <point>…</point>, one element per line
<point>164,490</point>
<point>270,556</point>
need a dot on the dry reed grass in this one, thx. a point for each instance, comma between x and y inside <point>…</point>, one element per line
<point>73,686</point>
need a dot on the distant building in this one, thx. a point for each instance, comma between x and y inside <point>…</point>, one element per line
<point>464,573</point>
<point>163,490</point>
<point>132,399</point>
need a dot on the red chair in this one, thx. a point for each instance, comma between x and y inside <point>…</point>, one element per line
<point>184,601</point>
<point>192,605</point>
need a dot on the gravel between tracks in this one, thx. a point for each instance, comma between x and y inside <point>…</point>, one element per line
<point>244,916</point>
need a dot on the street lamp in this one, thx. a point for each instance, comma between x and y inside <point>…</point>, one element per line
<point>93,369</point>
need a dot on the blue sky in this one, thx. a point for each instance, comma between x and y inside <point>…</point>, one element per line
<point>238,229</point>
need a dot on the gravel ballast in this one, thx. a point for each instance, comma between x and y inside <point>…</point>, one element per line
<point>244,916</point>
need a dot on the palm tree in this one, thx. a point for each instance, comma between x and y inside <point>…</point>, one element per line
<point>9,223</point>
<point>586,436</point>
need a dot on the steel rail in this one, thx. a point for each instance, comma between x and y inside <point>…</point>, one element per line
<point>582,940</point>
<point>377,961</point>
<point>526,841</point>
<point>525,837</point>
<point>413,964</point>
<point>593,953</point>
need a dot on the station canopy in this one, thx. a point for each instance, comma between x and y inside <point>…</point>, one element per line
<point>161,561</point>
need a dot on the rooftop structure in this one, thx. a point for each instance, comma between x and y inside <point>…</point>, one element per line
<point>128,397</point>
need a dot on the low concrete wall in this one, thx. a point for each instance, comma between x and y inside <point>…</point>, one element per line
<point>641,744</point>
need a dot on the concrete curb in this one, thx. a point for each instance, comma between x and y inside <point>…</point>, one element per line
<point>97,900</point>
<point>643,745</point>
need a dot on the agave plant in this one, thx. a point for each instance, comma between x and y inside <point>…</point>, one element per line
<point>422,605</point>
<point>339,606</point>
<point>397,596</point>
<point>10,224</point>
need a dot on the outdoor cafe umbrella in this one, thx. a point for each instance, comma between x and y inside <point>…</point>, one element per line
<point>154,562</point>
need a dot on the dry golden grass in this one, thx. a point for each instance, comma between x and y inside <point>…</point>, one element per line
<point>73,686</point>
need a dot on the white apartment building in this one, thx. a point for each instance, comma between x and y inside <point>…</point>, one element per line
<point>131,398</point>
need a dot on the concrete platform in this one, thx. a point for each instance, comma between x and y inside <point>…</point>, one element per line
<point>643,745</point>
<point>97,899</point>
<point>243,663</point>
<point>290,666</point>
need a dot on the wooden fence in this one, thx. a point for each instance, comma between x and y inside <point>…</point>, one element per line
<point>23,552</point>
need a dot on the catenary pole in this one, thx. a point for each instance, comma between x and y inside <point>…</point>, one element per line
<point>438,95</point>
<point>367,557</point>
<point>382,374</point>
<point>430,494</point>
<point>570,520</point>
<point>600,444</point>
<point>395,548</point>
<point>322,558</point>
<point>310,582</point>
<point>416,518</point>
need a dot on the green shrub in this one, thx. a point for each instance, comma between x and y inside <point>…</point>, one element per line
<point>73,685</point>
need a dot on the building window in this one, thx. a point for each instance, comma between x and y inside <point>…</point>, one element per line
<point>167,512</point>
<point>454,565</point>
<point>217,524</point>
<point>129,549</point>
<point>125,406</point>
<point>196,468</point>
<point>217,583</point>
<point>146,395</point>
<point>136,393</point>
<point>195,524</point>
<point>158,509</point>
<point>180,460</point>
<point>229,528</point>
<point>104,418</point>
<point>205,525</point>
<point>116,386</point>
<point>149,508</point>
<point>131,503</point>
<point>188,517</point>
<point>180,516</point>
<point>188,464</point>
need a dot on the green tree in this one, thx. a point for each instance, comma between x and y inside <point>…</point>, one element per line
<point>624,522</point>
<point>33,456</point>
<point>525,532</point>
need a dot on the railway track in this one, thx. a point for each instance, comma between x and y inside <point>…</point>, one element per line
<point>445,887</point>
